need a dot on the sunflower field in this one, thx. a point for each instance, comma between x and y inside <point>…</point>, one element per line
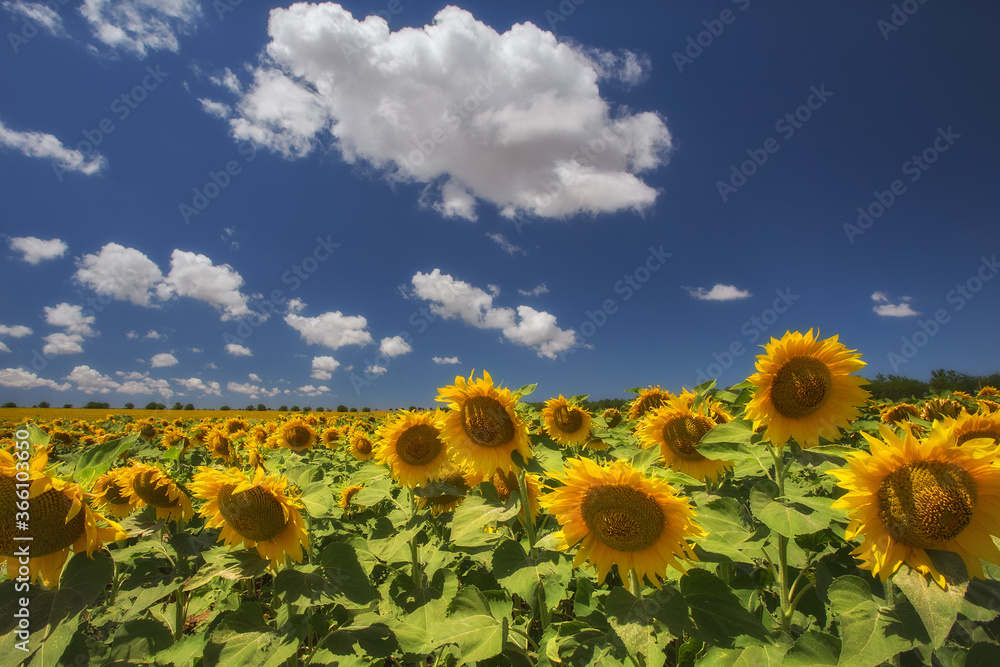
<point>789,519</point>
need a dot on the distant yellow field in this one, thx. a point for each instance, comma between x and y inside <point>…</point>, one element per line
<point>46,415</point>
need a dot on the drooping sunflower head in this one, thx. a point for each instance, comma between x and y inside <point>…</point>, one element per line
<point>988,392</point>
<point>566,423</point>
<point>346,497</point>
<point>506,482</point>
<point>596,445</point>
<point>647,400</point>
<point>619,516</point>
<point>146,429</point>
<point>677,429</point>
<point>257,435</point>
<point>805,390</point>
<point>940,408</point>
<point>235,426</point>
<point>256,512</point>
<point>148,485</point>
<point>173,437</point>
<point>900,412</point>
<point>59,519</point>
<point>612,417</point>
<point>220,445</point>
<point>482,425</point>
<point>456,475</point>
<point>362,447</point>
<point>908,496</point>
<point>706,405</point>
<point>410,444</point>
<point>110,493</point>
<point>296,435</point>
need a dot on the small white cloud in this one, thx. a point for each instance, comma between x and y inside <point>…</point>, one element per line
<point>40,145</point>
<point>719,292</point>
<point>123,273</point>
<point>253,377</point>
<point>153,335</point>
<point>39,14</point>
<point>60,343</point>
<point>886,308</point>
<point>395,346</point>
<point>217,109</point>
<point>376,370</point>
<point>163,360</point>
<point>16,331</point>
<point>238,350</point>
<point>36,250</point>
<point>309,390</point>
<point>141,26</point>
<point>70,318</point>
<point>537,291</point>
<point>323,367</point>
<point>445,360</point>
<point>197,384</point>
<point>505,245</point>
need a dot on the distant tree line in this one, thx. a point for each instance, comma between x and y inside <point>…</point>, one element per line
<point>897,387</point>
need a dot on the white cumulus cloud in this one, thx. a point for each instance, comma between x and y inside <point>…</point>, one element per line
<point>886,307</point>
<point>446,360</point>
<point>163,360</point>
<point>91,381</point>
<point>19,378</point>
<point>323,367</point>
<point>515,119</point>
<point>237,350</point>
<point>141,26</point>
<point>193,275</point>
<point>36,250</point>
<point>46,146</point>
<point>394,347</point>
<point>375,369</point>
<point>332,329</point>
<point>197,384</point>
<point>719,292</point>
<point>123,273</point>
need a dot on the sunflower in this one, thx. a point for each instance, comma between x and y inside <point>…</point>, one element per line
<point>456,475</point>
<point>331,437</point>
<point>898,413</point>
<point>596,445</point>
<point>110,493</point>
<point>345,499</point>
<point>146,429</point>
<point>986,406</point>
<point>220,446</point>
<point>172,437</point>
<point>612,416</point>
<point>505,482</point>
<point>296,435</point>
<point>618,516</point>
<point>482,425</point>
<point>58,519</point>
<point>970,427</point>
<point>988,392</point>
<point>650,398</point>
<point>148,485</point>
<point>908,496</point>
<point>361,445</point>
<point>939,408</point>
<point>410,444</point>
<point>254,512</point>
<point>566,423</point>
<point>235,426</point>
<point>805,390</point>
<point>677,430</point>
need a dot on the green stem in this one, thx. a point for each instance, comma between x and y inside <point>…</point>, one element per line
<point>779,472</point>
<point>180,613</point>
<point>522,633</point>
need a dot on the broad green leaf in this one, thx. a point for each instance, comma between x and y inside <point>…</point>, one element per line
<point>471,625</point>
<point>304,587</point>
<point>183,652</point>
<point>764,655</point>
<point>864,625</point>
<point>222,564</point>
<point>370,641</point>
<point>526,390</point>
<point>523,575</point>
<point>716,613</point>
<point>812,649</point>
<point>638,622</point>
<point>95,460</point>
<point>317,497</point>
<point>783,517</point>
<point>937,608</point>
<point>723,519</point>
<point>36,436</point>
<point>139,640</point>
<point>475,514</point>
<point>345,574</point>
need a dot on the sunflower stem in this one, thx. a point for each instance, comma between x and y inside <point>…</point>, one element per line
<point>414,549</point>
<point>180,613</point>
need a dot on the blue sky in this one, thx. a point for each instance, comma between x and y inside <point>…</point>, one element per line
<point>239,203</point>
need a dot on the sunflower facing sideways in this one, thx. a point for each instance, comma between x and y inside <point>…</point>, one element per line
<point>908,496</point>
<point>110,493</point>
<point>255,512</point>
<point>677,430</point>
<point>805,389</point>
<point>58,519</point>
<point>618,516</point>
<point>410,444</point>
<point>482,426</point>
<point>148,485</point>
<point>648,399</point>
<point>566,423</point>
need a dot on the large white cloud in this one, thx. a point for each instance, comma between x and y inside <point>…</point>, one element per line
<point>123,273</point>
<point>197,384</point>
<point>60,343</point>
<point>19,378</point>
<point>333,329</point>
<point>514,118</point>
<point>16,331</point>
<point>455,299</point>
<point>394,346</point>
<point>36,250</point>
<point>71,318</point>
<point>323,367</point>
<point>140,26</point>
<point>195,276</point>
<point>41,145</point>
<point>91,381</point>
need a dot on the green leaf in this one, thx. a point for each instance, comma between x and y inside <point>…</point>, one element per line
<point>36,436</point>
<point>751,656</point>
<point>242,638</point>
<point>938,609</point>
<point>637,622</point>
<point>317,497</point>
<point>865,634</point>
<point>782,516</point>
<point>222,564</point>
<point>716,613</point>
<point>183,652</point>
<point>139,640</point>
<point>526,390</point>
<point>369,641</point>
<point>471,625</point>
<point>474,514</point>
<point>345,574</point>
<point>813,648</point>
<point>95,460</point>
<point>304,587</point>
<point>523,575</point>
<point>723,519</point>
<point>983,655</point>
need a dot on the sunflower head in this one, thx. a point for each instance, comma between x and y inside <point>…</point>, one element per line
<point>612,416</point>
<point>410,444</point>
<point>148,485</point>
<point>677,429</point>
<point>969,427</point>
<point>805,390</point>
<point>566,423</point>
<point>988,392</point>
<point>900,412</point>
<point>59,520</point>
<point>220,445</point>
<point>345,499</point>
<point>111,493</point>
<point>332,437</point>
<point>940,408</point>
<point>256,512</point>
<point>362,447</point>
<point>909,495</point>
<point>235,426</point>
<point>482,425</point>
<point>618,516</point>
<point>506,482</point>
<point>456,475</point>
<point>986,406</point>
<point>296,435</point>
<point>647,400</point>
